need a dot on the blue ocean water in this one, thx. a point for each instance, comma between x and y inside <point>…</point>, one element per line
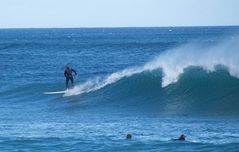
<point>155,83</point>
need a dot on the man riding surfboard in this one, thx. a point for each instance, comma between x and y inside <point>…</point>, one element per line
<point>69,76</point>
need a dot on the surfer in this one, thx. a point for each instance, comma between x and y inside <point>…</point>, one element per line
<point>181,138</point>
<point>69,76</point>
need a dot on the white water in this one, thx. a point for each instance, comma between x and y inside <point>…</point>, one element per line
<point>173,63</point>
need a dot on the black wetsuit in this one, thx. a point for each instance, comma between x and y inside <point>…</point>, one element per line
<point>69,76</point>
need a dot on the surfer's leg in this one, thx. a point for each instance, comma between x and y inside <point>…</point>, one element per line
<point>67,80</point>
<point>72,81</point>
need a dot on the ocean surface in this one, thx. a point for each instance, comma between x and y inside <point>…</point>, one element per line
<point>155,83</point>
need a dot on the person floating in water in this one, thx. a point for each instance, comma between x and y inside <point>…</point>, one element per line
<point>181,138</point>
<point>69,76</point>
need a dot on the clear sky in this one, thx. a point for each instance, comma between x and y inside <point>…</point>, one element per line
<point>117,13</point>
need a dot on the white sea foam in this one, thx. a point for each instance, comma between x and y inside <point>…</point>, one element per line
<point>173,62</point>
<point>98,83</point>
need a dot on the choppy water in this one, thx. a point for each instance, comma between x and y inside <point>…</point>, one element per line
<point>155,83</point>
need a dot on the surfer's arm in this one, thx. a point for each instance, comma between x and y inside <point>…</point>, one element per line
<point>74,71</point>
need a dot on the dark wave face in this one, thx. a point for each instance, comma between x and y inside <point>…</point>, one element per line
<point>195,93</point>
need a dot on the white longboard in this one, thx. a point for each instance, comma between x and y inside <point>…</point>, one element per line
<point>57,92</point>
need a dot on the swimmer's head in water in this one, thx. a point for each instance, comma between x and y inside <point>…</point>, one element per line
<point>129,136</point>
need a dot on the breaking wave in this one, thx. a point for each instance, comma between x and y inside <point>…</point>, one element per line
<point>173,63</point>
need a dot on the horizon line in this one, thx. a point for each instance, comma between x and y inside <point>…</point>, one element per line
<point>111,27</point>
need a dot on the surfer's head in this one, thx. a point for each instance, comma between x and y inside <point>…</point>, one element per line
<point>67,66</point>
<point>182,137</point>
<point>129,136</point>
